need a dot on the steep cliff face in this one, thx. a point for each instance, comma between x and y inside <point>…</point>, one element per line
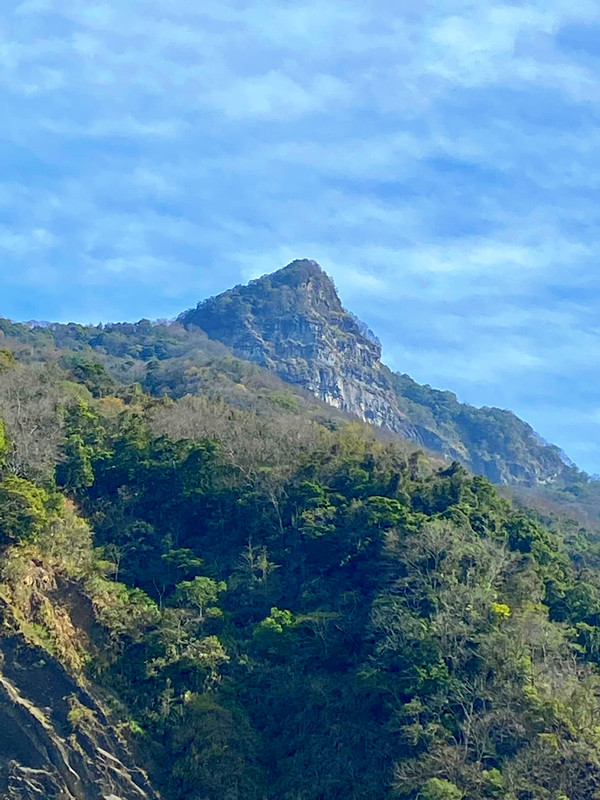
<point>293,323</point>
<point>56,742</point>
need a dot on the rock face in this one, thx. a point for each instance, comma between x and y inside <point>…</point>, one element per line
<point>293,323</point>
<point>55,741</point>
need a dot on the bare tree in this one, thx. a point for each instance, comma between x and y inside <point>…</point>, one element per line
<point>30,396</point>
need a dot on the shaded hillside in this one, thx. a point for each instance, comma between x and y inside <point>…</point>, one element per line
<point>56,742</point>
<point>293,323</point>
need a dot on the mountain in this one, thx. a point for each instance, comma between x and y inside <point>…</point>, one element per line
<point>214,585</point>
<point>293,323</point>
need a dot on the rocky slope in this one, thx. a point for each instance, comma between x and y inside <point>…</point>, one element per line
<point>56,742</point>
<point>293,323</point>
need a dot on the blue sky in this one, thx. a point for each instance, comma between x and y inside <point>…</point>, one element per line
<point>439,159</point>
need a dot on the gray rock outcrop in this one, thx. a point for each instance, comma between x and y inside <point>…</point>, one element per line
<point>55,741</point>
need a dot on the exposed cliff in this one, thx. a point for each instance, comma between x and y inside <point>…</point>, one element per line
<point>293,323</point>
<point>56,741</point>
<point>45,755</point>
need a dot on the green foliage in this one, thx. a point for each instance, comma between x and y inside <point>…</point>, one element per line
<point>75,472</point>
<point>501,610</point>
<point>275,624</point>
<point>3,444</point>
<point>401,588</point>
<point>440,789</point>
<point>7,360</point>
<point>23,510</point>
<point>66,539</point>
<point>213,749</point>
<point>201,594</point>
<point>287,610</point>
<point>82,443</point>
<point>92,374</point>
<point>182,562</point>
<point>78,714</point>
<point>272,633</point>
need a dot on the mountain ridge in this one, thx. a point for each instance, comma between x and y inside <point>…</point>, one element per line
<point>293,323</point>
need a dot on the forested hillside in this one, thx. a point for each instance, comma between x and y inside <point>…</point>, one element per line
<point>253,601</point>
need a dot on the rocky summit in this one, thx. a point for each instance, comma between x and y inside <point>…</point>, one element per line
<point>293,323</point>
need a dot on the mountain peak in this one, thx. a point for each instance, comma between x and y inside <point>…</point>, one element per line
<point>310,286</point>
<point>299,290</point>
<point>299,270</point>
<point>299,274</point>
<point>293,322</point>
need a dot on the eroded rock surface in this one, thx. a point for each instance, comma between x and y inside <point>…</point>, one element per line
<point>55,740</point>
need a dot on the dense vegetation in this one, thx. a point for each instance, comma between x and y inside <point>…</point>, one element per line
<point>277,608</point>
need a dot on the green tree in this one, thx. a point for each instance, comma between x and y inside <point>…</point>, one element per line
<point>3,444</point>
<point>272,634</point>
<point>201,593</point>
<point>213,751</point>
<point>440,789</point>
<point>23,509</point>
<point>76,471</point>
<point>7,360</point>
<point>92,374</point>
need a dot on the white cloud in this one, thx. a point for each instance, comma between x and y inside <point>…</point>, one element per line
<point>22,243</point>
<point>127,126</point>
<point>275,95</point>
